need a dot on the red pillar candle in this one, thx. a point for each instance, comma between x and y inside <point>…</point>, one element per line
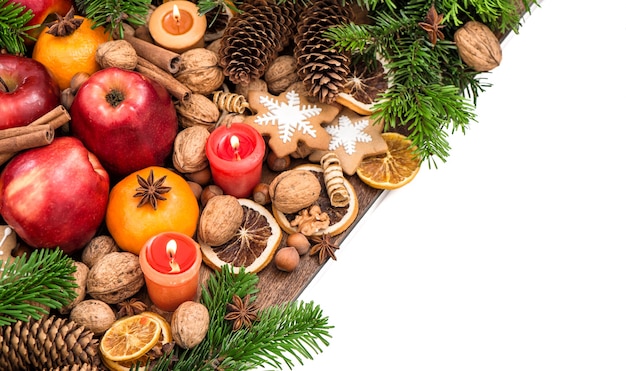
<point>235,156</point>
<point>170,262</point>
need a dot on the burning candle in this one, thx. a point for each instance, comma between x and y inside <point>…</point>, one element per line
<point>177,26</point>
<point>170,262</point>
<point>235,156</point>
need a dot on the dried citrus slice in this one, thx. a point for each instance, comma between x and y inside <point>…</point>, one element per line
<point>340,217</point>
<point>363,86</point>
<point>130,337</point>
<point>393,169</point>
<point>253,245</point>
<point>164,338</point>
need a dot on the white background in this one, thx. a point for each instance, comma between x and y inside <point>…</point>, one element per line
<point>511,255</point>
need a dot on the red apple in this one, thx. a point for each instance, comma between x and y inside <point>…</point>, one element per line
<point>127,120</point>
<point>55,195</point>
<point>43,12</point>
<point>27,91</point>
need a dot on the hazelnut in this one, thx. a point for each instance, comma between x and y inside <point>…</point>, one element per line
<point>77,80</point>
<point>299,241</point>
<point>209,192</point>
<point>276,163</point>
<point>220,219</point>
<point>287,259</point>
<point>261,194</point>
<point>190,323</point>
<point>95,315</point>
<point>195,188</point>
<point>202,177</point>
<point>98,247</point>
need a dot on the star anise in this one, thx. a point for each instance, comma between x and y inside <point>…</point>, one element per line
<point>324,247</point>
<point>65,26</point>
<point>241,312</point>
<point>433,25</point>
<point>150,190</point>
<point>130,307</point>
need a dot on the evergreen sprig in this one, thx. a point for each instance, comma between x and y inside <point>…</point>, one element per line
<point>13,29</point>
<point>293,329</point>
<point>433,93</point>
<point>111,14</point>
<point>44,277</point>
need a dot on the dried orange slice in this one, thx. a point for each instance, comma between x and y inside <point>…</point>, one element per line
<point>254,244</point>
<point>363,86</point>
<point>393,169</point>
<point>340,217</point>
<point>165,336</point>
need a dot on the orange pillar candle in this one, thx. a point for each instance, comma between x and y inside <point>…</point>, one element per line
<point>177,26</point>
<point>170,262</point>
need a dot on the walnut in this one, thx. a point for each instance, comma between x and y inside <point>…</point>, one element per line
<point>478,46</point>
<point>197,110</point>
<point>98,247</point>
<point>280,74</point>
<point>220,219</point>
<point>115,277</point>
<point>116,53</point>
<point>294,190</point>
<point>189,149</point>
<point>190,323</point>
<point>200,71</point>
<point>80,277</point>
<point>95,315</point>
<point>310,221</point>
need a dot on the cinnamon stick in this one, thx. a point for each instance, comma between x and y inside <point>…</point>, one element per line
<point>56,118</point>
<point>163,58</point>
<point>173,86</point>
<point>35,136</point>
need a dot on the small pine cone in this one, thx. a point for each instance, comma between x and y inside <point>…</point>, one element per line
<point>321,67</point>
<point>253,38</point>
<point>47,344</point>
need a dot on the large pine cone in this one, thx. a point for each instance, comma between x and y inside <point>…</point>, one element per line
<point>321,67</point>
<point>253,38</point>
<point>49,343</point>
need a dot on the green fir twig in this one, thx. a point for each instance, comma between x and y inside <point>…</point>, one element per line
<point>44,277</point>
<point>13,29</point>
<point>111,14</point>
<point>282,332</point>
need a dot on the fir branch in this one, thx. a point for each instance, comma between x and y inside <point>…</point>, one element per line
<point>44,277</point>
<point>13,29</point>
<point>111,14</point>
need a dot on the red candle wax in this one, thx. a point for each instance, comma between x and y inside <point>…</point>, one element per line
<point>236,163</point>
<point>177,22</point>
<point>170,262</point>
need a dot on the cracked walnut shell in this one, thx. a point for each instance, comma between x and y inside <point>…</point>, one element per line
<point>294,190</point>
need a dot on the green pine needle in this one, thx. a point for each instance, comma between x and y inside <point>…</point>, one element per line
<point>13,29</point>
<point>44,277</point>
<point>111,14</point>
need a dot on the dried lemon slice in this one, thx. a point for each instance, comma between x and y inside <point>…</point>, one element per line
<point>340,217</point>
<point>253,245</point>
<point>393,169</point>
<point>130,338</point>
<point>164,337</point>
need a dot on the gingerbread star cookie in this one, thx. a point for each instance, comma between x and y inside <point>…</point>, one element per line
<point>353,137</point>
<point>289,119</point>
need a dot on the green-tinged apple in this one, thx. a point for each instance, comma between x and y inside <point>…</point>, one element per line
<point>127,120</point>
<point>27,91</point>
<point>44,11</point>
<point>55,195</point>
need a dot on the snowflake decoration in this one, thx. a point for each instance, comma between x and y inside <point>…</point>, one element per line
<point>288,116</point>
<point>347,134</point>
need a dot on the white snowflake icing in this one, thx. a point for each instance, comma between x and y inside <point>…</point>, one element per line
<point>347,134</point>
<point>288,116</point>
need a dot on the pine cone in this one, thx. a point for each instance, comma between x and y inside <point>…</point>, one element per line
<point>47,344</point>
<point>321,67</point>
<point>253,38</point>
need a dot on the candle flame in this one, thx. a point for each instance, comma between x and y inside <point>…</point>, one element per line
<point>176,13</point>
<point>170,249</point>
<point>234,142</point>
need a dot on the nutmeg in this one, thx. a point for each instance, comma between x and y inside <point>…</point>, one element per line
<point>115,277</point>
<point>280,74</point>
<point>478,46</point>
<point>95,315</point>
<point>220,219</point>
<point>190,323</point>
<point>200,71</point>
<point>117,53</point>
<point>294,190</point>
<point>189,149</point>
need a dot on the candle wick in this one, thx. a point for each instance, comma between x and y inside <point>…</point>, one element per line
<point>234,143</point>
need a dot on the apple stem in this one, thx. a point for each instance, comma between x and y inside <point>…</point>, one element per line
<point>4,86</point>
